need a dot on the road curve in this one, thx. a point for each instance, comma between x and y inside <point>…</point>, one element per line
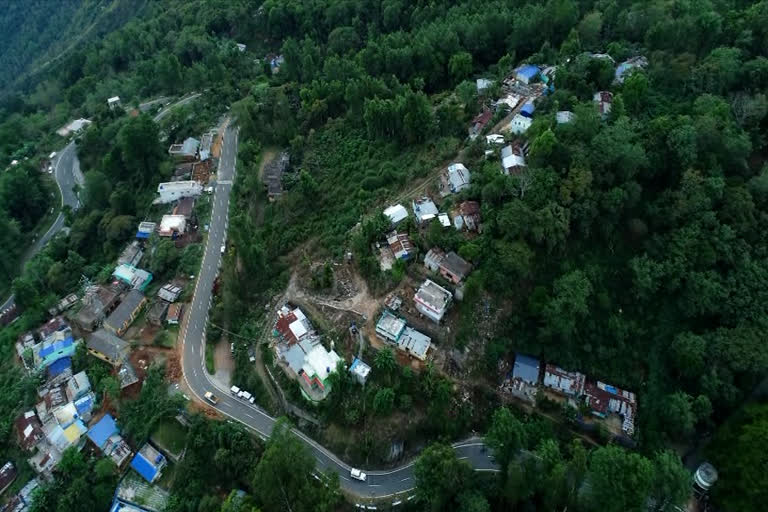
<point>392,484</point>
<point>67,175</point>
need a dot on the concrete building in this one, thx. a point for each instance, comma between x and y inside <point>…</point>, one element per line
<point>390,327</point>
<point>564,382</point>
<point>467,216</point>
<point>98,302</point>
<point>149,463</point>
<point>187,150</point>
<point>414,343</point>
<point>432,300</point>
<point>175,190</point>
<point>360,371</point>
<point>131,255</point>
<point>206,144</point>
<point>483,84</point>
<point>136,278</point>
<point>172,226</point>
<point>604,102</point>
<point>124,315</point>
<point>114,103</point>
<point>169,292</point>
<point>520,124</point>
<point>564,117</point>
<point>424,209</point>
<point>451,266</point>
<point>145,230</point>
<point>108,347</point>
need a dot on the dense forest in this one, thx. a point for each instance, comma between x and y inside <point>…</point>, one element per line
<point>631,248</point>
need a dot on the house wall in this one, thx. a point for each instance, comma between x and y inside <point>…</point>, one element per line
<point>429,313</point>
<point>103,357</point>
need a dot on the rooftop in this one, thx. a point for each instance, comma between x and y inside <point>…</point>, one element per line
<point>526,368</point>
<point>103,430</point>
<point>456,265</point>
<point>148,462</point>
<point>424,209</point>
<point>433,295</point>
<point>108,344</point>
<point>414,342</point>
<point>125,311</point>
<point>396,213</point>
<point>390,326</point>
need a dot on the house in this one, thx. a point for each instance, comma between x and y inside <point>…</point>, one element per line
<point>7,476</point>
<point>564,117</point>
<point>98,302</point>
<point>56,346</point>
<point>604,399</point>
<point>396,214</point>
<point>432,300</point>
<point>133,494</point>
<point>393,329</point>
<point>527,109</point>
<point>604,102</point>
<point>509,101</point>
<point>23,500</point>
<point>63,437</point>
<point>136,278</point>
<point>275,63</point>
<point>360,371</point>
<point>414,343</point>
<point>623,69</point>
<point>84,406</point>
<point>206,143</point>
<point>149,463</point>
<point>512,160</point>
<point>173,317</point>
<point>76,126</point>
<point>527,73</point>
<point>240,46</point>
<point>185,207</point>
<point>564,382</point>
<point>600,56</point>
<point>390,327</point>
<point>174,190</point>
<point>483,84</point>
<point>494,139</point>
<point>273,175</point>
<point>185,151</point>
<point>424,209</point>
<point>172,226</point>
<point>156,313</point>
<point>520,124</point>
<point>467,216</point>
<point>107,347</point>
<point>169,292</point>
<point>127,374</point>
<point>444,220</point>
<point>114,102</point>
<point>145,230</point>
<point>106,436</point>
<point>29,430</point>
<point>401,246</point>
<point>124,315</point>
<point>64,304</point>
<point>52,398</point>
<point>451,266</point>
<point>479,122</point>
<point>131,255</point>
<point>526,369</point>
<point>319,363</point>
<point>458,178</point>
<point>78,386</point>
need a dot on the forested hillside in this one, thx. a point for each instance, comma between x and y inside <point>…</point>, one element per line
<point>632,248</point>
<point>35,32</point>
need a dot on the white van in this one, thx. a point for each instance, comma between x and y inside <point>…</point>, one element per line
<point>358,475</point>
<point>52,156</point>
<point>234,390</point>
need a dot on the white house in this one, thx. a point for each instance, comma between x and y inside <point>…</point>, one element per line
<point>520,124</point>
<point>458,177</point>
<point>113,102</point>
<point>512,162</point>
<point>175,190</point>
<point>396,213</point>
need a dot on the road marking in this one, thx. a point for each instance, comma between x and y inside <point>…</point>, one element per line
<point>405,479</point>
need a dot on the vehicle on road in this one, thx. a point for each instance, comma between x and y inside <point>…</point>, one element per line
<point>244,395</point>
<point>223,249</point>
<point>211,397</point>
<point>358,475</point>
<point>52,156</point>
<point>234,390</point>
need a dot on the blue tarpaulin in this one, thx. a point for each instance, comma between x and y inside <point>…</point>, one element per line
<point>56,346</point>
<point>526,368</point>
<point>84,405</point>
<point>101,431</point>
<point>60,366</point>
<point>527,109</point>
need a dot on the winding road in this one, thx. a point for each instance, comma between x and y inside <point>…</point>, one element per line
<point>396,484</point>
<point>67,174</point>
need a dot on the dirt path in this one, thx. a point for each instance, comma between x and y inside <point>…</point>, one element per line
<point>362,303</point>
<point>223,362</point>
<point>267,155</point>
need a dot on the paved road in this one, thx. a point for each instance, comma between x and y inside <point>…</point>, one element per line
<point>67,174</point>
<point>183,101</point>
<point>394,484</point>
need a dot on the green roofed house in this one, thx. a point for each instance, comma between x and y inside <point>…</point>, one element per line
<point>136,278</point>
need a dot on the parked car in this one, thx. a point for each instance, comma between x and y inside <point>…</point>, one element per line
<point>234,390</point>
<point>223,249</point>
<point>358,475</point>
<point>211,397</point>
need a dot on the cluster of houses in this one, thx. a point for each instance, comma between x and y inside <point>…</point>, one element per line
<point>301,354</point>
<point>66,414</point>
<point>527,378</point>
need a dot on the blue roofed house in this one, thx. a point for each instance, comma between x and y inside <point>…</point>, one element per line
<point>149,463</point>
<point>59,366</point>
<point>78,386</point>
<point>527,73</point>
<point>527,109</point>
<point>526,368</point>
<point>105,435</point>
<point>84,406</point>
<point>59,345</point>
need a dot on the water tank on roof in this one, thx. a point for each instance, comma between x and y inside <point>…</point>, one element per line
<point>705,476</point>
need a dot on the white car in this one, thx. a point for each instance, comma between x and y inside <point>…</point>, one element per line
<point>223,249</point>
<point>234,390</point>
<point>358,475</point>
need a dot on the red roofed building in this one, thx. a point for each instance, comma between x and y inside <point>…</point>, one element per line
<point>292,325</point>
<point>479,123</point>
<point>29,430</point>
<point>604,399</point>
